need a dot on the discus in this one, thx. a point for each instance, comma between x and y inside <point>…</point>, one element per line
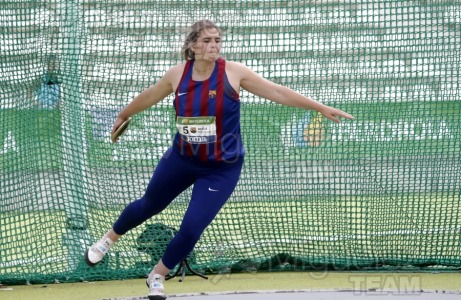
<point>120,130</point>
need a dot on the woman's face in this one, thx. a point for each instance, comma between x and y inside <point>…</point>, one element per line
<point>208,45</point>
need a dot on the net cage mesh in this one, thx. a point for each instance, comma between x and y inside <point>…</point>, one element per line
<point>379,192</point>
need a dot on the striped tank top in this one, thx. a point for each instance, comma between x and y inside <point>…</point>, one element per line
<point>208,117</point>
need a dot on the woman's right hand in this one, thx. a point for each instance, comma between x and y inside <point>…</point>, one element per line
<point>117,124</point>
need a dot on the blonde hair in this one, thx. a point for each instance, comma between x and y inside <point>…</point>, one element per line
<point>194,33</point>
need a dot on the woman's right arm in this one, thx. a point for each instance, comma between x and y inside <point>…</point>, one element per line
<point>149,97</point>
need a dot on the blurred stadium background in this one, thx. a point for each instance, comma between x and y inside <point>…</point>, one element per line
<point>381,192</point>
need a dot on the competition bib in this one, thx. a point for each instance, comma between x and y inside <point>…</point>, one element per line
<point>197,130</point>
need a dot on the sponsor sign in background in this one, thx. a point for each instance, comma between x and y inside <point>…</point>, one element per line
<point>32,139</point>
<point>275,132</point>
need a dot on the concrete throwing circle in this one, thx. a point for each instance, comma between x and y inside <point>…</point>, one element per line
<point>318,294</point>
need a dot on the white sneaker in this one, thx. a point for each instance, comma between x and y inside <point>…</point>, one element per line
<point>156,290</point>
<point>96,252</point>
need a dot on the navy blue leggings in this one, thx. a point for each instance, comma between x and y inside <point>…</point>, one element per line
<point>213,183</point>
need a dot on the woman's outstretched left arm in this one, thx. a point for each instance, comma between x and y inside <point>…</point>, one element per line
<point>264,88</point>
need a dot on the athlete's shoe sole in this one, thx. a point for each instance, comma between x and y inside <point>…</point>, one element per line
<point>87,260</point>
<point>156,297</point>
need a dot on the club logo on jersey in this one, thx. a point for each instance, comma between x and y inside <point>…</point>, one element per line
<point>212,94</point>
<point>193,129</point>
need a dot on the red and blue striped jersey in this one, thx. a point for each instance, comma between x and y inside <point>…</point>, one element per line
<point>208,116</point>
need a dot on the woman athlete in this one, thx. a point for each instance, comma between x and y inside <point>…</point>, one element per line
<point>207,151</point>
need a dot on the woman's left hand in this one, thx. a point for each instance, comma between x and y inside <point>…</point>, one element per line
<point>333,114</point>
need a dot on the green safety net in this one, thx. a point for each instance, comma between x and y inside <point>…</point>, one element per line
<point>381,192</point>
